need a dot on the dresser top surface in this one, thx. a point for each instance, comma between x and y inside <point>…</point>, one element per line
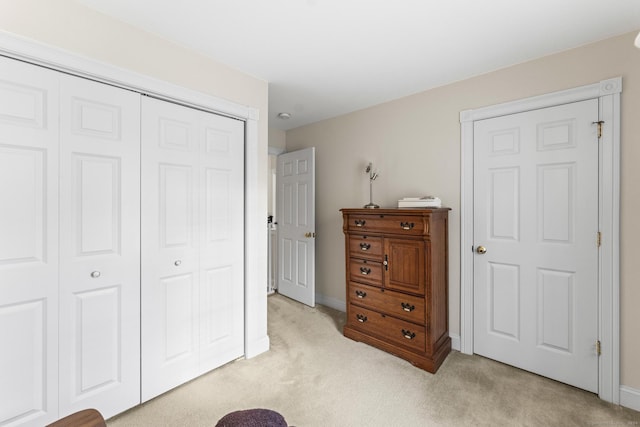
<point>389,211</point>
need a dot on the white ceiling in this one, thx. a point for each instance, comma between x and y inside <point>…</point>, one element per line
<point>324,58</point>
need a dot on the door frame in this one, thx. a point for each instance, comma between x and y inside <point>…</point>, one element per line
<point>608,94</point>
<point>256,340</point>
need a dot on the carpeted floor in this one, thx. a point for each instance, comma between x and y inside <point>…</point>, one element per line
<point>314,377</point>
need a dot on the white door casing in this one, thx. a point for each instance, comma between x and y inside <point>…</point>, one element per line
<point>535,287</point>
<point>192,244</point>
<point>608,94</point>
<point>29,244</point>
<point>99,247</point>
<point>295,213</point>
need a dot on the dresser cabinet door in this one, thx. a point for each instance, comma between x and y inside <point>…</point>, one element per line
<point>405,265</point>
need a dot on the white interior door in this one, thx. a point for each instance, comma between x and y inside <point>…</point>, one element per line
<point>99,247</point>
<point>28,244</point>
<point>192,243</point>
<point>295,212</point>
<point>536,213</point>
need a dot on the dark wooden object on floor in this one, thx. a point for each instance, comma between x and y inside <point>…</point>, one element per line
<point>397,282</point>
<point>85,418</point>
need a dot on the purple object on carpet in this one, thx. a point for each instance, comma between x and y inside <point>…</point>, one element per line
<point>252,418</point>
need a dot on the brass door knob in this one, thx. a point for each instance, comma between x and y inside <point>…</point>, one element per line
<point>481,250</point>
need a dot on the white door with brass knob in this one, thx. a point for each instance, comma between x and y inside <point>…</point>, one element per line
<point>295,213</point>
<point>535,253</point>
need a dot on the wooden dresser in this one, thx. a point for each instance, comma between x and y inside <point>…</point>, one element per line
<point>397,282</point>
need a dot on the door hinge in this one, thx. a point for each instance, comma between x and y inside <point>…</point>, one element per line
<point>599,239</point>
<point>598,348</point>
<point>599,123</point>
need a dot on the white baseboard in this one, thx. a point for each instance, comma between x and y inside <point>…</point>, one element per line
<point>334,303</point>
<point>455,341</point>
<point>630,398</point>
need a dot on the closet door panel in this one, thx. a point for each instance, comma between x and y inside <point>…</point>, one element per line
<point>170,274</point>
<point>100,248</point>
<point>28,244</point>
<point>221,240</point>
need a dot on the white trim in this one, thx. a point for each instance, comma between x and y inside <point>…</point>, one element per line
<point>331,302</point>
<point>630,398</point>
<point>455,342</point>
<point>608,93</point>
<point>256,338</point>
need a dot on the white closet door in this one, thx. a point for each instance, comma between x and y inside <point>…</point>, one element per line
<point>28,244</point>
<point>192,244</point>
<point>221,240</point>
<point>170,275</point>
<point>99,247</point>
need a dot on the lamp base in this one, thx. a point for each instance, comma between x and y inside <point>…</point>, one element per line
<point>371,206</point>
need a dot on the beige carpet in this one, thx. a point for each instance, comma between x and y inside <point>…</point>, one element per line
<point>314,376</point>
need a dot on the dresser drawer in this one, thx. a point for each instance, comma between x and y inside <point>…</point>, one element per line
<point>388,328</point>
<point>363,246</point>
<point>363,271</point>
<point>396,304</point>
<point>410,225</point>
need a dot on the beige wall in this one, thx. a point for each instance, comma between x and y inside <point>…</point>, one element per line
<point>277,138</point>
<point>415,143</point>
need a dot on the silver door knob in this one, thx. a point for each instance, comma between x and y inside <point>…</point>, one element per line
<point>481,250</point>
<point>95,274</point>
<point>177,263</point>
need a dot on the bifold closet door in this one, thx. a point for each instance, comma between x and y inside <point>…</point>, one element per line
<point>169,247</point>
<point>221,167</point>
<point>28,244</point>
<point>99,247</point>
<point>192,244</point>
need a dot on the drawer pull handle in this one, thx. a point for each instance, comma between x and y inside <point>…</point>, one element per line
<point>365,271</point>
<point>361,318</point>
<point>408,334</point>
<point>360,222</point>
<point>407,307</point>
<point>95,274</point>
<point>407,225</point>
<point>365,246</point>
<point>361,294</point>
